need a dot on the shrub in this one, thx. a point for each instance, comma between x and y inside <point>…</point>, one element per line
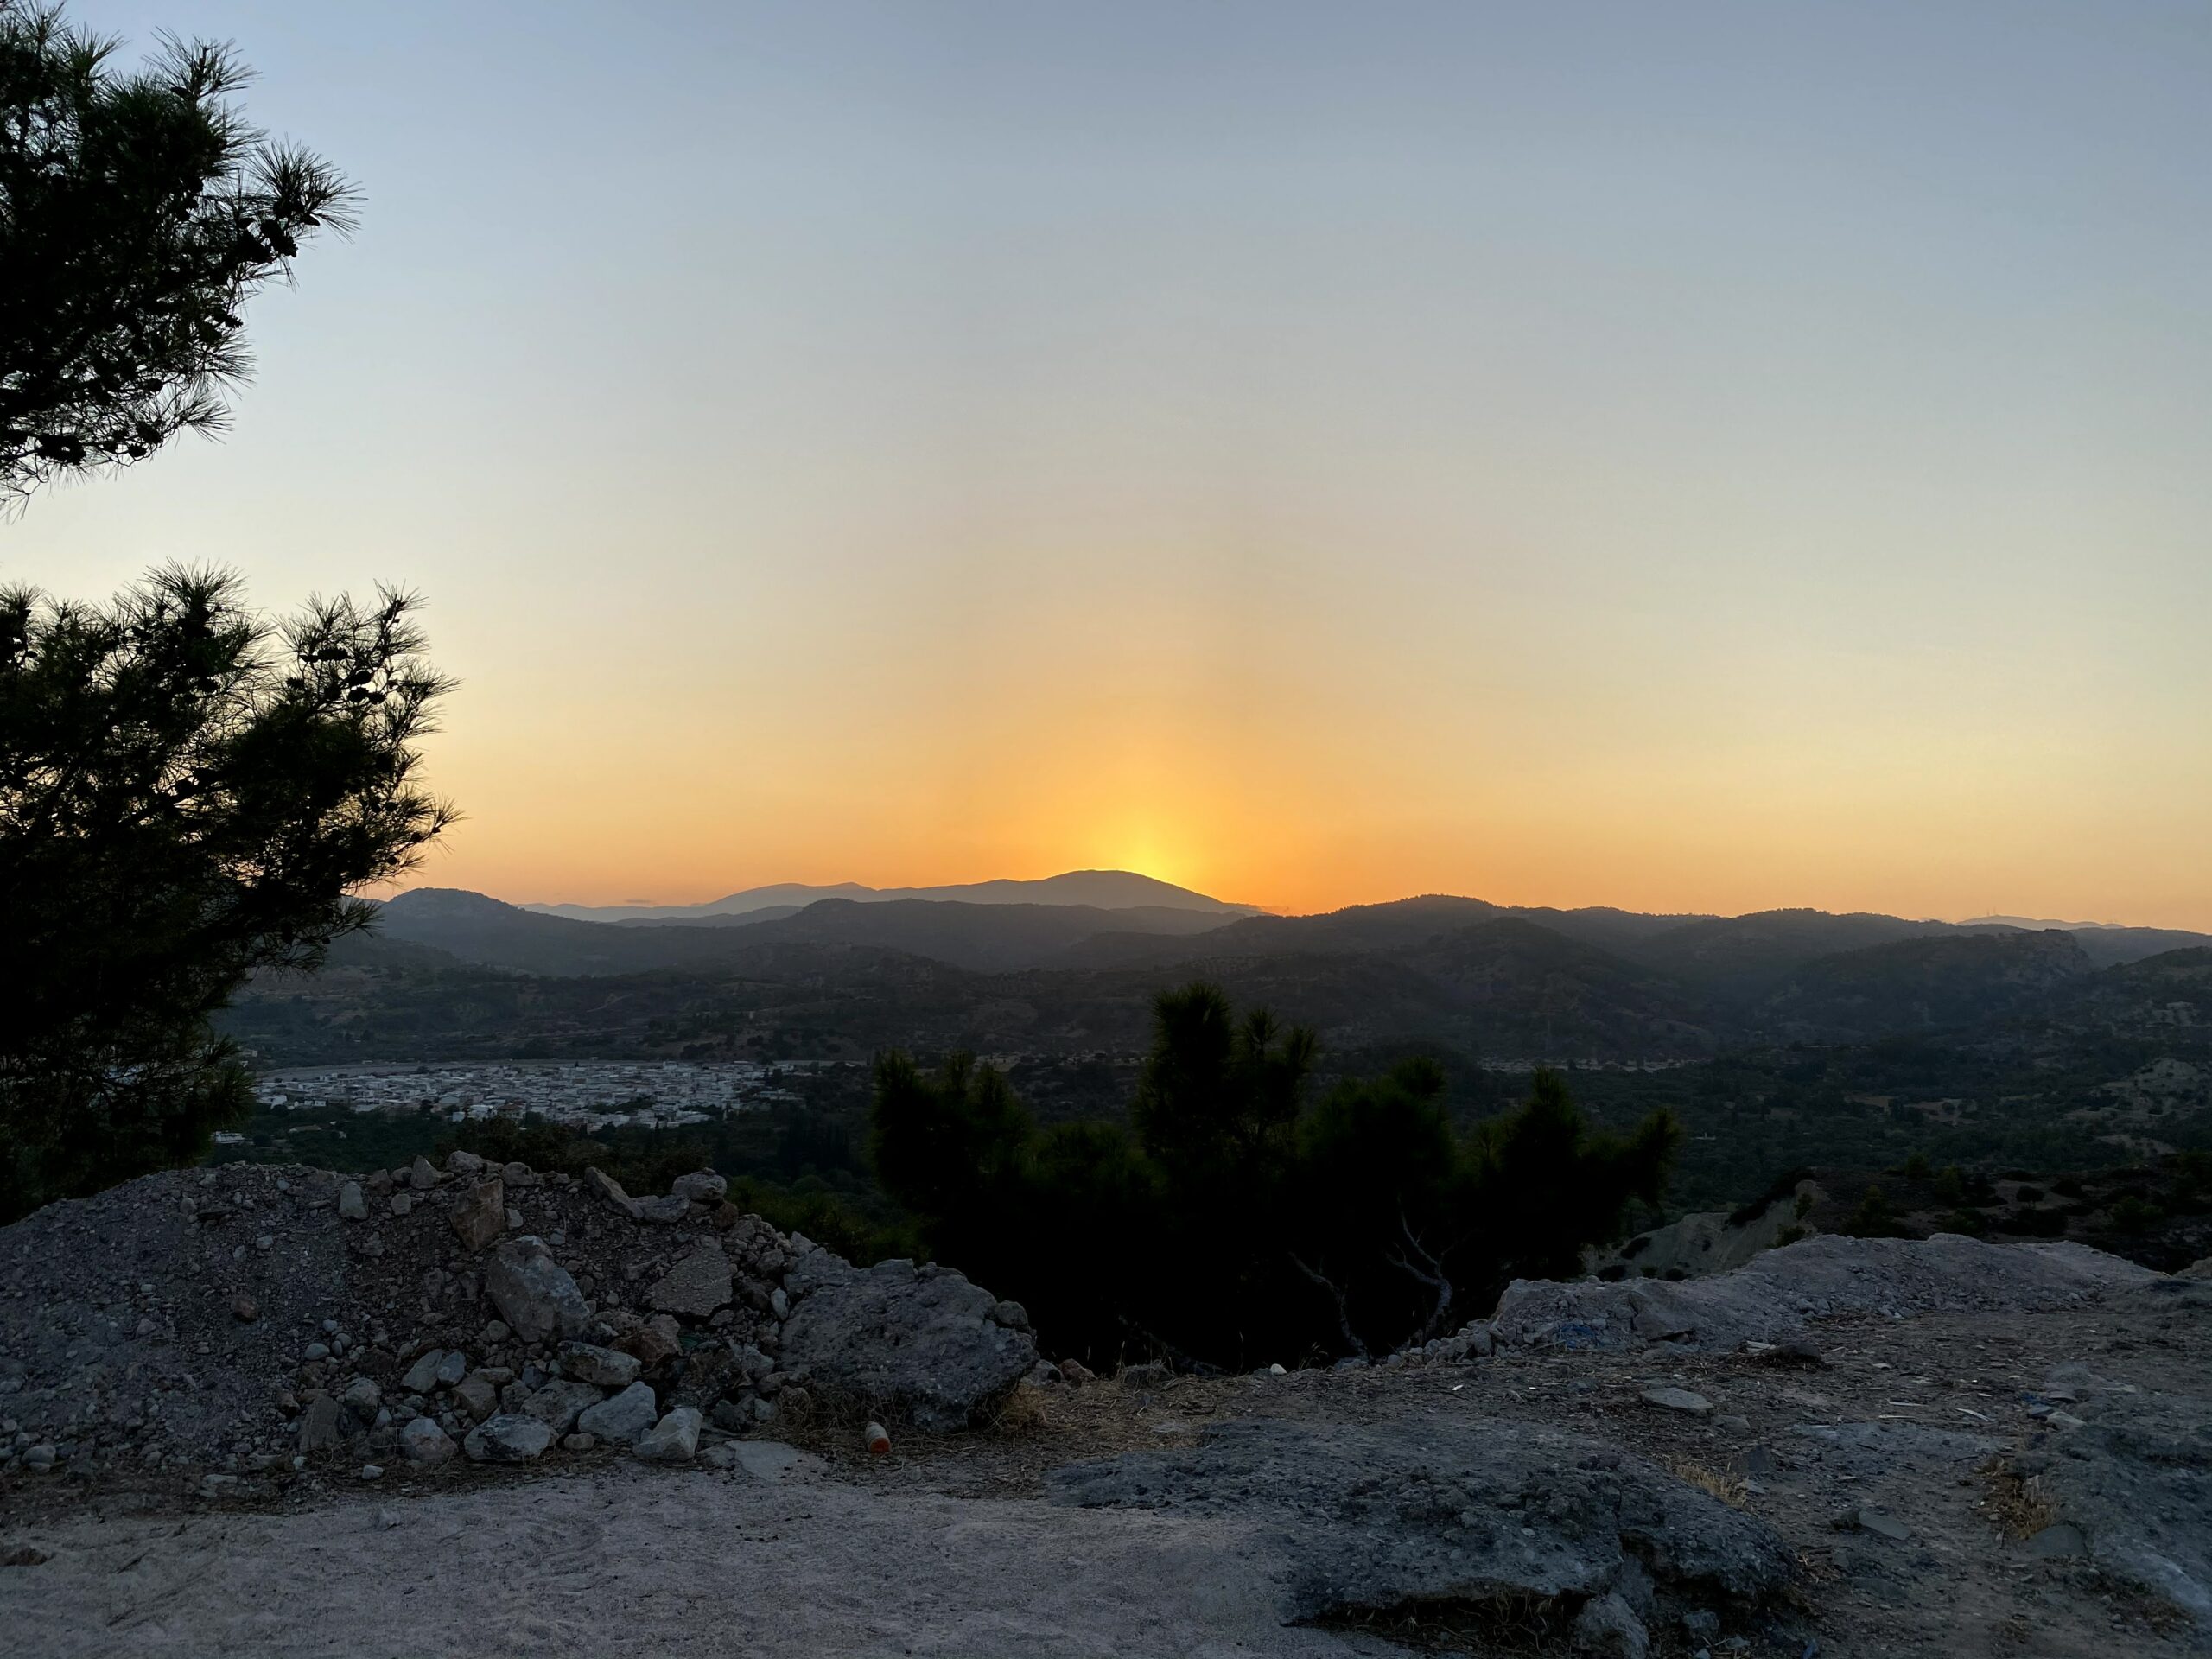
<point>1875,1217</point>
<point>2133,1215</point>
<point>1236,1216</point>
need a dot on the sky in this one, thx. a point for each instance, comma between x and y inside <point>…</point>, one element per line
<point>1699,457</point>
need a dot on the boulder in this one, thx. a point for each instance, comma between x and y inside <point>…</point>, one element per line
<point>351,1205</point>
<point>362,1397</point>
<point>322,1424</point>
<point>609,1368</point>
<point>559,1403</point>
<point>696,1285</point>
<point>425,1443</point>
<point>700,1186</point>
<point>477,1395</point>
<point>675,1439</point>
<point>597,1180</point>
<point>622,1418</point>
<point>921,1342</point>
<point>1609,1626</point>
<point>422,1175</point>
<point>649,1343</point>
<point>481,1216</point>
<point>663,1211</point>
<point>510,1437</point>
<point>533,1292</point>
<point>422,1376</point>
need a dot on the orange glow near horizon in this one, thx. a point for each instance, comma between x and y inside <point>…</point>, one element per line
<point>1697,458</point>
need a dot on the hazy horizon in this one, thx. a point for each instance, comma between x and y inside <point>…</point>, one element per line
<point>1699,459</point>
<point>1232,899</point>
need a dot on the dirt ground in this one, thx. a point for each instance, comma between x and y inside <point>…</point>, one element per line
<point>955,1547</point>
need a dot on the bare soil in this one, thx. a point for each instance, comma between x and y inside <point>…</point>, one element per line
<point>956,1547</point>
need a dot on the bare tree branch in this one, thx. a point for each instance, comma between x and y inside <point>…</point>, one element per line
<point>1430,1272</point>
<point>1343,1318</point>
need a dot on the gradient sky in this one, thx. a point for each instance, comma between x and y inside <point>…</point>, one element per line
<point>1687,456</point>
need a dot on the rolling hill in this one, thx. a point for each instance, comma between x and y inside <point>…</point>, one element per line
<point>981,936</point>
<point>1096,889</point>
<point>1935,983</point>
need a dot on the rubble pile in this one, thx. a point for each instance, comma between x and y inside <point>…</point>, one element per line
<point>240,1320</point>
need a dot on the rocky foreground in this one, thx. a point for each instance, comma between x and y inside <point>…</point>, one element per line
<point>274,1412</point>
<point>246,1322</point>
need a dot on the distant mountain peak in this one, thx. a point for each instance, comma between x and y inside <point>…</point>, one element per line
<point>1096,889</point>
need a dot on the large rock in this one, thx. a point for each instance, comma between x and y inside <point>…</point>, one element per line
<point>534,1293</point>
<point>920,1342</point>
<point>362,1397</point>
<point>675,1439</point>
<point>559,1402</point>
<point>700,1186</point>
<point>696,1285</point>
<point>651,1341</point>
<point>425,1443</point>
<point>322,1424</point>
<point>1608,1626</point>
<point>610,1368</point>
<point>622,1418</point>
<point>1774,1295</point>
<point>477,1395</point>
<point>511,1437</point>
<point>1371,1517</point>
<point>480,1214</point>
<point>422,1376</point>
<point>598,1181</point>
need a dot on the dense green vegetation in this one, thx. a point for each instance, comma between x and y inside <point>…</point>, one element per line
<point>1752,1113</point>
<point>1239,1218</point>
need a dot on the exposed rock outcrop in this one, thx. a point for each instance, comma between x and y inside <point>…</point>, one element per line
<point>1773,1295</point>
<point>922,1344</point>
<point>1376,1518</point>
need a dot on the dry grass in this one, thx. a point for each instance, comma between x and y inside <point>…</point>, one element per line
<point>1730,1489</point>
<point>2021,1506</point>
<point>1021,1413</point>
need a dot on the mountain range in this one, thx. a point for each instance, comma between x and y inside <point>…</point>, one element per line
<point>1591,983</point>
<point>1096,889</point>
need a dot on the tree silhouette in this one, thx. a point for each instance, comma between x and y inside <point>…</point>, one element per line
<point>1235,1218</point>
<point>189,793</point>
<point>138,213</point>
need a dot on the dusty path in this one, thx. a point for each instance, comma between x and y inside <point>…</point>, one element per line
<point>635,1561</point>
